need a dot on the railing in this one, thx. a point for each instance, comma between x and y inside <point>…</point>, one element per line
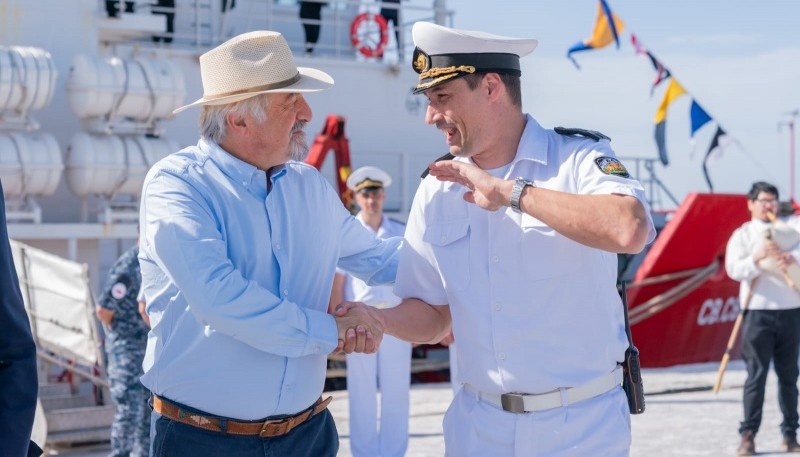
<point>206,23</point>
<point>645,171</point>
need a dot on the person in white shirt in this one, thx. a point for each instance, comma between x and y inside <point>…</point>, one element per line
<point>389,370</point>
<point>759,254</point>
<point>514,242</point>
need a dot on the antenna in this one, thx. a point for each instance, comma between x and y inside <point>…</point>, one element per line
<point>792,115</point>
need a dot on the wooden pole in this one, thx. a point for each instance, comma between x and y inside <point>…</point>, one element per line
<point>732,339</point>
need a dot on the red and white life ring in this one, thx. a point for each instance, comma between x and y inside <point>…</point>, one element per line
<point>369,34</point>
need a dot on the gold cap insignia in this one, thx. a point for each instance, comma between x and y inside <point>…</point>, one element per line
<point>421,61</point>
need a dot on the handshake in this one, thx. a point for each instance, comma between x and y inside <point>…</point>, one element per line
<point>360,327</point>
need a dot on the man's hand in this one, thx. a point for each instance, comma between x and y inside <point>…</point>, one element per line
<point>360,328</point>
<point>143,313</point>
<point>106,316</point>
<point>785,260</point>
<point>769,249</point>
<point>448,340</point>
<point>486,191</point>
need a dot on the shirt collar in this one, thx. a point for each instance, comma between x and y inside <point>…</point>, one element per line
<point>237,170</point>
<point>382,227</point>
<point>534,142</point>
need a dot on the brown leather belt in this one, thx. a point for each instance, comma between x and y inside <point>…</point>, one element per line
<point>266,429</point>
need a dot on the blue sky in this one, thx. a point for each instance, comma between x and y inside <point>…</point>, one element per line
<point>739,59</point>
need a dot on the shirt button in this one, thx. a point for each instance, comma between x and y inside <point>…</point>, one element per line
<point>315,348</point>
<point>498,306</point>
<point>444,238</point>
<point>277,247</point>
<point>244,183</point>
<point>501,356</point>
<point>495,259</point>
<point>285,292</point>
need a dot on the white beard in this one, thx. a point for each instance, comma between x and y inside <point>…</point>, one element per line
<point>298,147</point>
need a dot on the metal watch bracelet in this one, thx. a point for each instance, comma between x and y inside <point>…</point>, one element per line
<point>516,192</point>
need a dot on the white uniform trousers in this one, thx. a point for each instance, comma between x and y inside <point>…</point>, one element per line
<point>597,427</point>
<point>454,382</point>
<point>390,369</point>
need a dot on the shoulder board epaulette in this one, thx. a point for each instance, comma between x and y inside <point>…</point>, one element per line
<point>447,156</point>
<point>593,134</point>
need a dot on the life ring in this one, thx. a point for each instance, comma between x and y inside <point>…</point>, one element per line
<point>363,33</point>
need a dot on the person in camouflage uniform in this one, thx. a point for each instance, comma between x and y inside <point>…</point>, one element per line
<point>126,338</point>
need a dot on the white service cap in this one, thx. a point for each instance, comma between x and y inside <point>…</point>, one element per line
<point>443,54</point>
<point>368,177</point>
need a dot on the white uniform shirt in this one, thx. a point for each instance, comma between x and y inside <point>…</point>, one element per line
<point>532,310</point>
<point>377,296</point>
<point>771,291</point>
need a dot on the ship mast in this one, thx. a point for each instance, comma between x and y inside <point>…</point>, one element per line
<point>790,123</point>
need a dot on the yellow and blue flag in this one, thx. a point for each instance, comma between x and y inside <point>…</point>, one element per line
<point>607,28</point>
<point>674,91</point>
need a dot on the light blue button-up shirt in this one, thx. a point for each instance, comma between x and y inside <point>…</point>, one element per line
<point>237,281</point>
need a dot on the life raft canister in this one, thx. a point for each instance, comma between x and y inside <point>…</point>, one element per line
<point>362,32</point>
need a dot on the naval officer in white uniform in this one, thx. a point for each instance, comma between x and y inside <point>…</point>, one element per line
<point>389,369</point>
<point>515,242</point>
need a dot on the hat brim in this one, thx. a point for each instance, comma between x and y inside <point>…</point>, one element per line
<point>311,80</point>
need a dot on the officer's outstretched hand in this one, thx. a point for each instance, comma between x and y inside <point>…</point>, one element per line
<point>486,191</point>
<point>360,328</point>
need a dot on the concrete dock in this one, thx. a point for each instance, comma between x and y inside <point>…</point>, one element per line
<point>683,417</point>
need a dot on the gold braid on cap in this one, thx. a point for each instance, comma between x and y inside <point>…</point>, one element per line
<point>436,71</point>
<point>368,183</point>
<point>446,72</point>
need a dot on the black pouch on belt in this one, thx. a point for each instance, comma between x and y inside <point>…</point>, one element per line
<point>631,369</point>
<point>632,381</point>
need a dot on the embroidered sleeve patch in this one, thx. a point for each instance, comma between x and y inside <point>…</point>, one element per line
<point>611,166</point>
<point>120,288</point>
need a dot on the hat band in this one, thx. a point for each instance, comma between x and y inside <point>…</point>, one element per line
<point>483,62</point>
<point>436,71</point>
<point>265,87</point>
<point>422,86</point>
<point>367,183</point>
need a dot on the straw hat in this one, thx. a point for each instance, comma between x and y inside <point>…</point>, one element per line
<point>250,64</point>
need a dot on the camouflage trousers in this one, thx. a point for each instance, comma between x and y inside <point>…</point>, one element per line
<point>130,432</point>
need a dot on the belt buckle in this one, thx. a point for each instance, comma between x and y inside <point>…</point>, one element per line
<point>273,422</point>
<point>513,403</point>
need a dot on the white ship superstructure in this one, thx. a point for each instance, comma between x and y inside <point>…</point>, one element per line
<point>86,105</point>
<point>86,102</point>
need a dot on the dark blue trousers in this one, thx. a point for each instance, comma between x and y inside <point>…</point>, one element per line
<point>18,378</point>
<point>316,437</point>
<point>771,336</point>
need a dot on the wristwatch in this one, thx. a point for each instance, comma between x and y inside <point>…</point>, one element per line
<point>516,192</point>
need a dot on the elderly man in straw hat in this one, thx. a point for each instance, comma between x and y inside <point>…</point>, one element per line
<point>239,245</point>
<point>515,241</point>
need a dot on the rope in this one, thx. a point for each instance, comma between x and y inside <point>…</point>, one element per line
<point>5,104</point>
<point>18,149</point>
<point>665,278</point>
<point>150,90</point>
<point>125,174</point>
<point>664,300</point>
<point>118,104</point>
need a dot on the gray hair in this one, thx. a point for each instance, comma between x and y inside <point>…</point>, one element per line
<point>212,117</point>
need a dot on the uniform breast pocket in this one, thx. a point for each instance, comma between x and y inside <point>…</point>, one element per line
<point>450,243</point>
<point>545,252</point>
